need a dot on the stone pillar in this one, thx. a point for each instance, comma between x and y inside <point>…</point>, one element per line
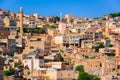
<point>21,21</point>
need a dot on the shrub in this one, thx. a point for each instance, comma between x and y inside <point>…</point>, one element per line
<point>80,68</point>
<point>86,76</point>
<point>110,45</point>
<point>98,47</point>
<point>9,72</point>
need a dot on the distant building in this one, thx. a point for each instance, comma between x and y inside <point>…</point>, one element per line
<point>62,27</point>
<point>62,74</point>
<point>59,40</point>
<point>34,60</point>
<point>6,21</point>
<point>32,23</point>
<point>72,39</point>
<point>4,33</point>
<point>15,42</point>
<point>1,68</point>
<point>69,18</point>
<point>36,17</point>
<point>53,32</point>
<point>1,23</point>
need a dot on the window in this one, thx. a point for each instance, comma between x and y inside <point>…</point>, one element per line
<point>69,75</point>
<point>39,39</point>
<point>100,65</point>
<point>25,61</point>
<point>61,75</point>
<point>31,47</point>
<point>37,79</point>
<point>1,76</point>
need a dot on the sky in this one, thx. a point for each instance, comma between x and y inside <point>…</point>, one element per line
<point>79,8</point>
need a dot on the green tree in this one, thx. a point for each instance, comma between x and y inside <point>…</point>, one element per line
<point>93,57</point>
<point>101,46</point>
<point>47,26</point>
<point>54,26</point>
<point>9,72</point>
<point>83,76</point>
<point>86,56</point>
<point>98,47</point>
<point>61,50</point>
<point>18,31</point>
<point>103,18</point>
<point>18,66</point>
<point>111,54</point>
<point>86,76</point>
<point>80,68</point>
<point>110,45</point>
<point>12,53</point>
<point>115,14</point>
<point>97,18</point>
<point>6,73</point>
<point>38,31</point>
<point>57,18</point>
<point>42,31</point>
<point>25,29</point>
<point>61,58</point>
<point>35,30</point>
<point>94,77</point>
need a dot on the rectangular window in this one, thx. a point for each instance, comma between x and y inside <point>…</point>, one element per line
<point>31,47</point>
<point>69,75</point>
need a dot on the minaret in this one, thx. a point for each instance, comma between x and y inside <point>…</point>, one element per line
<point>21,21</point>
<point>60,16</point>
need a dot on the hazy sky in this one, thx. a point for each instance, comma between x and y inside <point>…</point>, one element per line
<point>81,8</point>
